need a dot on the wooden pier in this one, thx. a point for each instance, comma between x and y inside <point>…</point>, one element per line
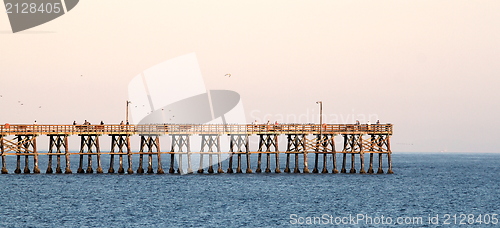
<point>20,140</point>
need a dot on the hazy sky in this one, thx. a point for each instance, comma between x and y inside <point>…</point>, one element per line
<point>429,67</point>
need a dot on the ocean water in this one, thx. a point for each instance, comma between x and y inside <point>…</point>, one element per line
<point>424,186</point>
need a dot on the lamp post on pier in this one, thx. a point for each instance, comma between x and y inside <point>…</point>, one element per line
<point>320,119</point>
<point>126,118</point>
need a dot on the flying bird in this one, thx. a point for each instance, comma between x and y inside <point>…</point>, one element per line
<point>228,75</point>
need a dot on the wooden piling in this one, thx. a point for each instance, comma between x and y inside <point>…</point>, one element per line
<point>380,170</point>
<point>66,155</point>
<point>89,164</point>
<point>141,156</point>
<point>362,161</point>
<point>159,169</point>
<point>247,151</point>
<point>325,169</point>
<point>259,162</point>
<point>268,163</point>
<point>306,166</point>
<point>26,164</point>
<point>353,159</point>
<point>334,158</point>
<point>277,159</point>
<point>296,168</point>
<point>4,161</point>
<point>200,168</point>
<point>129,156</point>
<point>316,160</point>
<point>98,150</point>
<point>80,166</point>
<point>219,156</point>
<point>389,153</point>
<point>238,169</point>
<point>36,168</point>
<point>277,155</point>
<point>287,164</point>
<point>171,170</point>
<point>111,162</point>
<point>121,169</point>
<point>190,167</point>
<point>18,165</point>
<point>179,165</point>
<point>389,163</point>
<point>344,158</point>
<point>150,163</point>
<point>114,142</point>
<point>230,163</point>
<point>58,166</point>
<point>210,164</point>
<point>49,163</point>
<point>370,168</point>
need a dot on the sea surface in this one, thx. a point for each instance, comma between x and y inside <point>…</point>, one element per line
<point>449,186</point>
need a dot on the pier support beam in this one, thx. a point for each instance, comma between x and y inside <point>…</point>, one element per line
<point>57,142</point>
<point>89,144</point>
<point>120,144</point>
<point>352,145</point>
<point>238,143</point>
<point>380,143</point>
<point>295,145</point>
<point>180,143</point>
<point>209,142</point>
<point>268,143</point>
<point>26,145</point>
<point>150,143</point>
<point>326,146</point>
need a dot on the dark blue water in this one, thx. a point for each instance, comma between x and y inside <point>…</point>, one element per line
<point>423,185</point>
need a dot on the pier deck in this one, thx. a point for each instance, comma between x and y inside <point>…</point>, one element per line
<point>18,129</point>
<point>302,139</point>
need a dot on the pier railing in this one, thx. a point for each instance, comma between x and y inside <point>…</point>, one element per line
<point>160,129</point>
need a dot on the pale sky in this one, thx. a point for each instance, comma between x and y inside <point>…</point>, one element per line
<point>429,67</point>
